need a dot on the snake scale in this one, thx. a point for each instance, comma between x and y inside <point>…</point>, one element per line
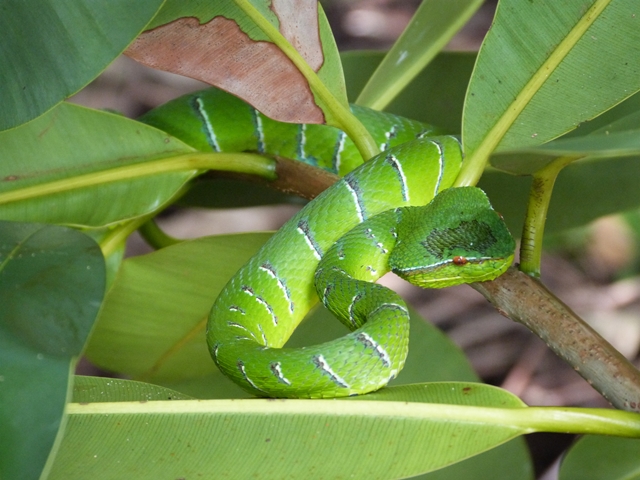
<point>395,213</point>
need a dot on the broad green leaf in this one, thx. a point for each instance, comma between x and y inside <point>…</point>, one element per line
<point>449,393</point>
<point>531,160</point>
<point>508,460</point>
<point>52,282</point>
<point>294,438</point>
<point>432,26</point>
<point>604,121</point>
<point>282,439</point>
<point>435,96</point>
<point>606,181</point>
<point>597,458</point>
<point>79,166</point>
<point>277,55</point>
<point>113,242</point>
<point>547,66</point>
<point>53,168</point>
<point>50,49</point>
<point>152,324</point>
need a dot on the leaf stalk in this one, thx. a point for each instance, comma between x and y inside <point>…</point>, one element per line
<point>536,216</point>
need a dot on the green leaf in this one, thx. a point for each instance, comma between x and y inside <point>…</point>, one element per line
<point>435,96</point>
<point>508,460</point>
<point>283,439</point>
<point>152,324</point>
<point>449,393</point>
<point>53,168</point>
<point>52,49</point>
<point>604,121</point>
<point>596,458</point>
<point>547,66</point>
<point>52,282</point>
<point>432,26</point>
<point>604,176</point>
<point>64,168</point>
<point>294,438</point>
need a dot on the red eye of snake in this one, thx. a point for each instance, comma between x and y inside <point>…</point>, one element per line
<point>459,260</point>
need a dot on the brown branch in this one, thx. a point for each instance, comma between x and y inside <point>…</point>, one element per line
<point>293,177</point>
<point>525,300</point>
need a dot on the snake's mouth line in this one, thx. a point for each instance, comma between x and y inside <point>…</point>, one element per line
<point>415,270</point>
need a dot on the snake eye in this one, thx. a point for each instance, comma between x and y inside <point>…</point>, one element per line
<point>459,260</point>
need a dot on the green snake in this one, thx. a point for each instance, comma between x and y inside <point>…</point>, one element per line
<point>395,213</point>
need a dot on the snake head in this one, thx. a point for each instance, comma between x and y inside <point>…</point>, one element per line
<point>456,238</point>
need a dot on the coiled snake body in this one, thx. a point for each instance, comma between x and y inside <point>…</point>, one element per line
<point>395,212</point>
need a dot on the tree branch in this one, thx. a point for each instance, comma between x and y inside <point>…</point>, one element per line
<point>525,300</point>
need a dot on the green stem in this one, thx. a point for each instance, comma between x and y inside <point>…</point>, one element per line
<point>472,169</point>
<point>235,162</point>
<point>533,229</point>
<point>581,421</point>
<point>119,234</point>
<point>341,116</point>
<point>154,235</point>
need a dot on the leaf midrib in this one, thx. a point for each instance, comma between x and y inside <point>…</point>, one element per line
<point>494,136</point>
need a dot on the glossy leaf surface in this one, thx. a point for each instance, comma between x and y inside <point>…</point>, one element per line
<point>52,49</point>
<point>52,282</point>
